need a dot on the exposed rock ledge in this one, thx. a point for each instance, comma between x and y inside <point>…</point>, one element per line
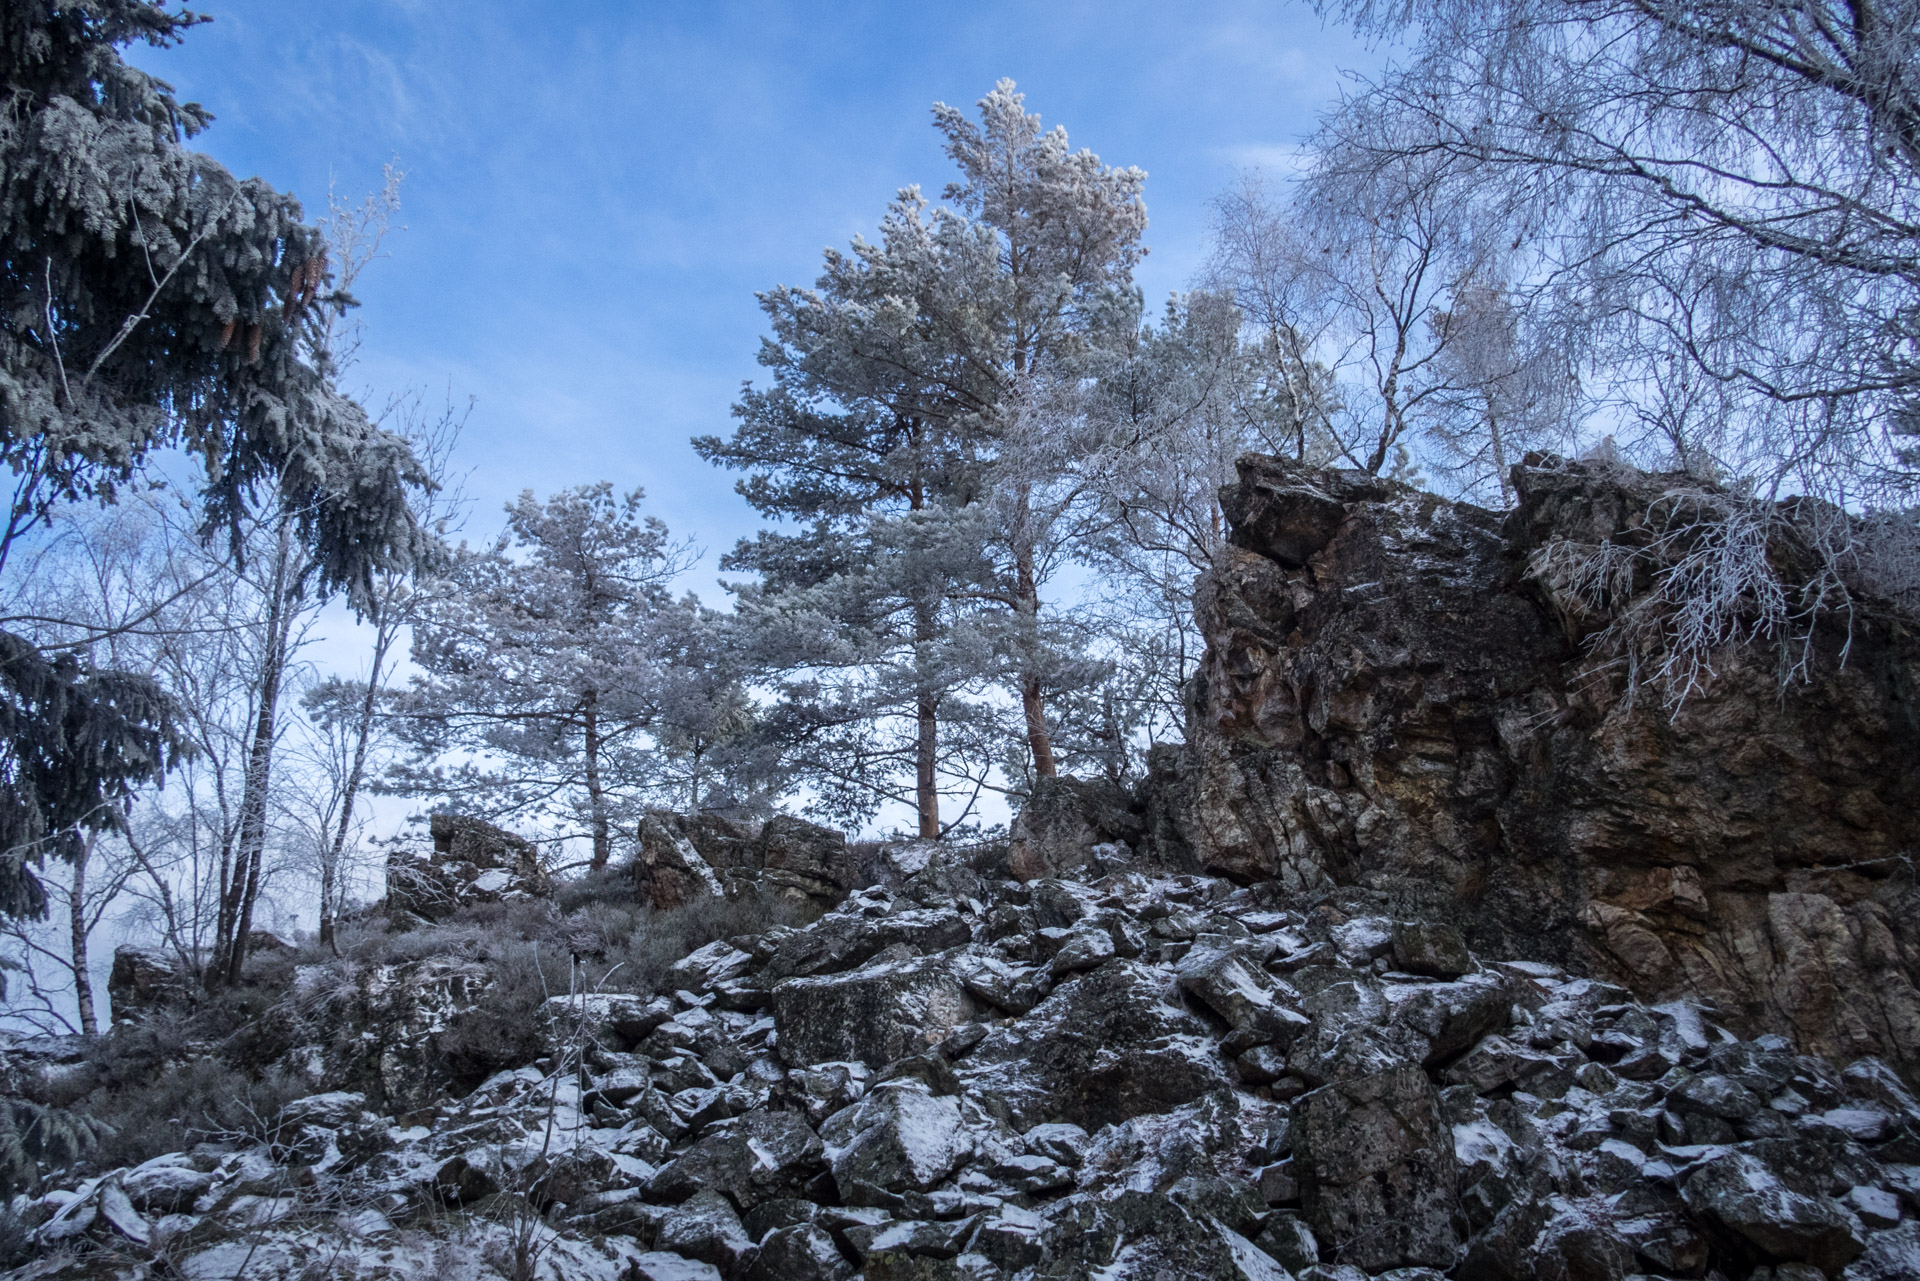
<point>1388,701</point>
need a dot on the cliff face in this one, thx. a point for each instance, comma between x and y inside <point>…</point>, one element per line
<point>1390,701</point>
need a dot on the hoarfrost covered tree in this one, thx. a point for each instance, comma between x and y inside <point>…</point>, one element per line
<point>352,732</point>
<point>1261,262</point>
<point>106,586</point>
<point>1502,390</point>
<point>1179,403</point>
<point>134,588</point>
<point>1732,184</point>
<point>901,432</point>
<point>152,300</point>
<point>1717,206</point>
<point>1354,269</point>
<point>541,675</point>
<point>1065,233</point>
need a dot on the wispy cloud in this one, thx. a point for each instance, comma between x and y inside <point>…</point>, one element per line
<point>1273,159</point>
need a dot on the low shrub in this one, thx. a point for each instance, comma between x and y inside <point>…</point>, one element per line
<point>200,1099</point>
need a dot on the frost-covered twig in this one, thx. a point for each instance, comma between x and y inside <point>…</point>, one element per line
<point>1699,574</point>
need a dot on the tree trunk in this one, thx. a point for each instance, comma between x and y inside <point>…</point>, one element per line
<point>328,878</point>
<point>244,889</point>
<point>596,794</point>
<point>349,794</point>
<point>1032,698</point>
<point>926,758</point>
<point>1391,425</point>
<point>1038,739</point>
<point>1499,459</point>
<point>77,926</point>
<point>926,746</point>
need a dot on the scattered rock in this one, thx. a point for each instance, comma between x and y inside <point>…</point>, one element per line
<point>471,862</point>
<point>1741,1195</point>
<point>704,1227</point>
<point>889,1008</point>
<point>144,980</point>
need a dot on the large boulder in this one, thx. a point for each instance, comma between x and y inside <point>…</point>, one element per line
<point>472,861</point>
<point>143,980</point>
<point>806,858</point>
<point>465,839</point>
<point>893,1006</point>
<point>1377,1170</point>
<point>901,1137</point>
<point>751,1159</point>
<point>686,857</point>
<point>1063,821</point>
<point>841,940</point>
<point>668,871</point>
<point>1744,1197</point>
<point>1105,1046</point>
<point>1259,1009</point>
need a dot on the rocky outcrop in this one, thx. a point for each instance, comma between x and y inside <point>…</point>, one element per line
<point>471,862</point>
<point>145,979</point>
<point>1390,700</point>
<point>1069,825</point>
<point>1431,955</point>
<point>1134,1076</point>
<point>684,857</point>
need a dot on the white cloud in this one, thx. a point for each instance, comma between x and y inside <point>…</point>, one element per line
<point>1277,159</point>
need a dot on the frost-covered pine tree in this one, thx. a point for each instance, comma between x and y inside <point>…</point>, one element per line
<point>920,432</point>
<point>541,666</point>
<point>1046,239</point>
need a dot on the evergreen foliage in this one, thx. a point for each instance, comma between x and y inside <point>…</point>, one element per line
<point>152,299</point>
<point>546,666</point>
<point>901,438</point>
<point>33,1135</point>
<point>74,744</point>
<point>149,299</point>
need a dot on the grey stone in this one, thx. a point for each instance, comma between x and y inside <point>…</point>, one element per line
<point>1377,1170</point>
<point>843,939</point>
<point>1893,1255</point>
<point>161,1187</point>
<point>1288,1238</point>
<point>701,969</point>
<point>658,1265</point>
<point>752,1158</point>
<point>668,871</point>
<point>1741,1195</point>
<point>705,1227</point>
<point>885,1010</point>
<point>1715,1095</point>
<point>1249,999</point>
<point>1058,1140</point>
<point>144,980</point>
<point>901,1137</point>
<point>332,1110</point>
<point>802,1252</point>
<point>816,855</point>
<point>1423,947</point>
<point>1085,949</point>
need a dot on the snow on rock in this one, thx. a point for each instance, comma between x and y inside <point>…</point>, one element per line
<point>1122,1077</point>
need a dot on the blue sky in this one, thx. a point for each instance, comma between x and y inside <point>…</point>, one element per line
<point>596,190</point>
